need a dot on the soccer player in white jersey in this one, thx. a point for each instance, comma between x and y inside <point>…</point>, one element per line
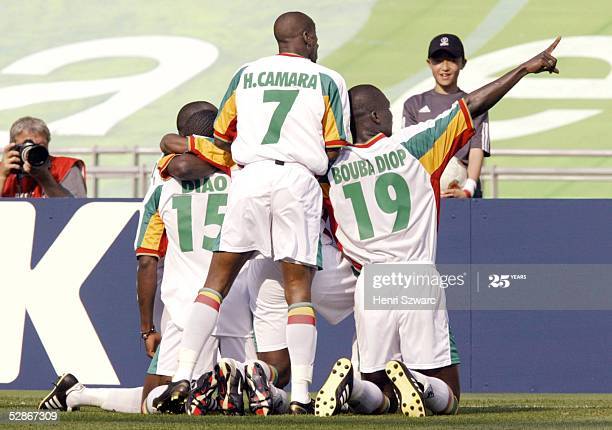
<point>279,116</point>
<point>186,213</point>
<point>385,196</point>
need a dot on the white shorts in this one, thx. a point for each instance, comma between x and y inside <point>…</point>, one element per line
<point>275,210</point>
<point>419,338</point>
<point>241,349</point>
<point>233,334</point>
<point>332,293</point>
<point>165,360</point>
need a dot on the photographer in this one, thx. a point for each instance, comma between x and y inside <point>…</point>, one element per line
<point>27,169</point>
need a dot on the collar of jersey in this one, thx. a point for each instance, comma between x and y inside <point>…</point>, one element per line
<point>372,141</point>
<point>290,54</point>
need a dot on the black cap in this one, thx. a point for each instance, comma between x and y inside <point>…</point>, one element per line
<point>448,43</point>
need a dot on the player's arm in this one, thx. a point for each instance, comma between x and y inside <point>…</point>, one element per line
<point>150,245</point>
<point>226,123</point>
<point>336,117</point>
<point>435,141</point>
<point>485,98</point>
<point>173,143</point>
<point>147,287</point>
<point>201,159</point>
<point>189,167</point>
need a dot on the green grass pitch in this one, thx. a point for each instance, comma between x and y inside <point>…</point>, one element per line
<point>478,411</point>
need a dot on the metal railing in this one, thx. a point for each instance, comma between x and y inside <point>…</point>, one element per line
<point>495,174</point>
<point>138,172</point>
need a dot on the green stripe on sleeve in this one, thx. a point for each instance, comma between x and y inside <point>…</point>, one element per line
<point>419,144</point>
<point>149,209</point>
<point>330,89</point>
<point>232,87</point>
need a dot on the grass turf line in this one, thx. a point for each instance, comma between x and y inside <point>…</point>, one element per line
<point>490,411</point>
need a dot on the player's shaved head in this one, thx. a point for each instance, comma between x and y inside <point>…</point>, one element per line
<point>291,25</point>
<point>295,32</point>
<point>370,113</point>
<point>366,98</point>
<point>188,110</point>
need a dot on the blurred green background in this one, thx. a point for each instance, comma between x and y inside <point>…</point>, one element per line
<point>381,42</point>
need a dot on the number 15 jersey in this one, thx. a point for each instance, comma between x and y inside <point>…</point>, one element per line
<point>287,108</point>
<point>192,213</point>
<point>385,193</point>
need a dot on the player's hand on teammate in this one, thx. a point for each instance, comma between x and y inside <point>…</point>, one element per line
<point>544,61</point>
<point>151,343</point>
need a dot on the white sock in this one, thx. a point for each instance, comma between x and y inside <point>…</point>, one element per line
<point>111,399</point>
<point>437,395</point>
<point>200,324</point>
<point>148,403</point>
<point>366,397</point>
<point>302,345</point>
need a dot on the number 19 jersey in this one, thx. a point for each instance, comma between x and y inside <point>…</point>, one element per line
<point>385,193</point>
<point>286,108</point>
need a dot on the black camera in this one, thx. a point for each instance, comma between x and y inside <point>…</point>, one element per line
<point>35,154</point>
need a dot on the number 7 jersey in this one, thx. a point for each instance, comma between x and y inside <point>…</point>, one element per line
<point>287,108</point>
<point>385,193</point>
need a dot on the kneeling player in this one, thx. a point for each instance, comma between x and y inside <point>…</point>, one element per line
<point>389,214</point>
<point>168,211</point>
<point>332,297</point>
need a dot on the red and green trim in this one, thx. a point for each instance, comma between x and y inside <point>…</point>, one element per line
<point>209,297</point>
<point>301,313</point>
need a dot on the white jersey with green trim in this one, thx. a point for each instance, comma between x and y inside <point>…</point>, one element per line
<point>192,212</point>
<point>383,204</point>
<point>287,108</point>
<point>385,193</point>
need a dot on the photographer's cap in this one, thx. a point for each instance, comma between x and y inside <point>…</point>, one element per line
<point>446,43</point>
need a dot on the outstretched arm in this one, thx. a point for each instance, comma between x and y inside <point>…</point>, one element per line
<point>485,98</point>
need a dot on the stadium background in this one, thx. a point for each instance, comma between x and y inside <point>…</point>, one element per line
<point>382,42</point>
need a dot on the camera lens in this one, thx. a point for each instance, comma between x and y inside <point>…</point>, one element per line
<point>36,155</point>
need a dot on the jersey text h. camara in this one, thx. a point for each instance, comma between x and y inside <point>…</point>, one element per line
<point>286,108</point>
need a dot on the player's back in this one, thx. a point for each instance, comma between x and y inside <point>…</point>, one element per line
<point>384,204</point>
<point>192,212</point>
<point>284,107</point>
<point>385,193</point>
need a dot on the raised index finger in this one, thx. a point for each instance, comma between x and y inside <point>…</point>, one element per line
<point>554,45</point>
